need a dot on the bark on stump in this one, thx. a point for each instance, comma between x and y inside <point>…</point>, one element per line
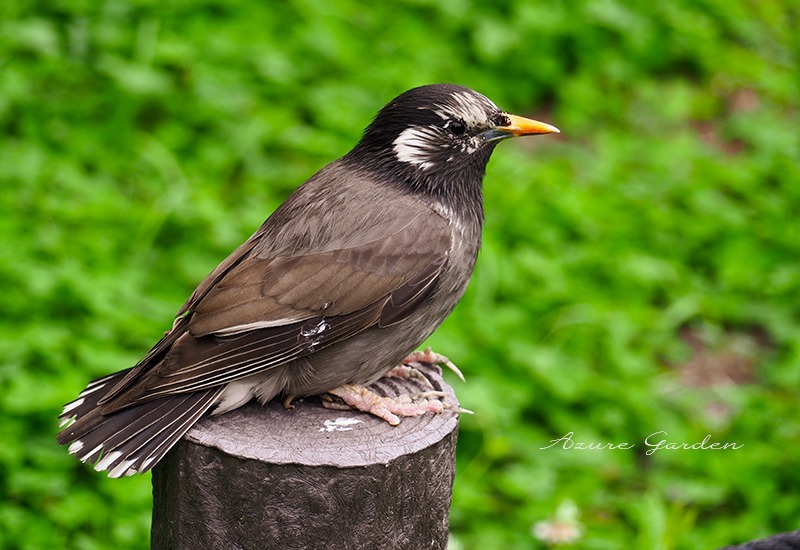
<point>262,477</point>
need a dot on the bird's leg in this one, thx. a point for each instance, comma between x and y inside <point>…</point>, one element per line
<point>388,408</point>
<point>287,402</point>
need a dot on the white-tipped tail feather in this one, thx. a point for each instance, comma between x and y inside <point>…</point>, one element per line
<point>108,460</point>
<point>92,455</point>
<point>91,389</point>
<point>122,469</point>
<point>69,407</point>
<point>131,439</point>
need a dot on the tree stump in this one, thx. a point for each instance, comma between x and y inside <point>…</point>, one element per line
<point>262,477</point>
<point>781,541</point>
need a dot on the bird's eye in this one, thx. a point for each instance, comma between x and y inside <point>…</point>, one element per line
<point>456,127</point>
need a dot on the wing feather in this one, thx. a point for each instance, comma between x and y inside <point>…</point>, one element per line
<point>201,363</point>
<point>261,309</point>
<point>335,282</point>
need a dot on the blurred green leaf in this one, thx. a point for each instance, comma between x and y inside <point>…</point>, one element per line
<point>142,141</point>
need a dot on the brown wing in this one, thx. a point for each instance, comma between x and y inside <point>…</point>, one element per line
<point>263,312</point>
<point>286,289</point>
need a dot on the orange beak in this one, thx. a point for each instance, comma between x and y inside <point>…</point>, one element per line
<point>521,126</point>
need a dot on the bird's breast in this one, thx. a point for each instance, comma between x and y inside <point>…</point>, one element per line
<point>465,241</point>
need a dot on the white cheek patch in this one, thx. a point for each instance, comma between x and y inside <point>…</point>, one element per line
<point>415,145</point>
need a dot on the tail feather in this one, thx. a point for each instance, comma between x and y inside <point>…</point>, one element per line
<point>82,408</point>
<point>132,439</point>
<point>153,446</point>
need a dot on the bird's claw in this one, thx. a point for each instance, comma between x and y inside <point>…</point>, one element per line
<point>430,356</point>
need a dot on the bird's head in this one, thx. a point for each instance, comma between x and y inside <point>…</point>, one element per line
<point>438,138</point>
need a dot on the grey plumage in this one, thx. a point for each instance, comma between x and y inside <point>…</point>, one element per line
<point>342,281</point>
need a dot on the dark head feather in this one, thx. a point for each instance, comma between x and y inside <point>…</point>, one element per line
<point>428,140</point>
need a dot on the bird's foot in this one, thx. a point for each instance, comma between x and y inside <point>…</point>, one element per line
<point>429,356</point>
<point>408,372</point>
<point>288,403</point>
<point>351,396</point>
<point>388,408</point>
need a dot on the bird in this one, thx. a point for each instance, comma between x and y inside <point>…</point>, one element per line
<point>357,267</point>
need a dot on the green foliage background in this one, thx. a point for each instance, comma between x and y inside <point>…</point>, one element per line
<point>141,141</point>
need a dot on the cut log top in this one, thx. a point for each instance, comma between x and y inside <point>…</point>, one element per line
<point>312,435</point>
